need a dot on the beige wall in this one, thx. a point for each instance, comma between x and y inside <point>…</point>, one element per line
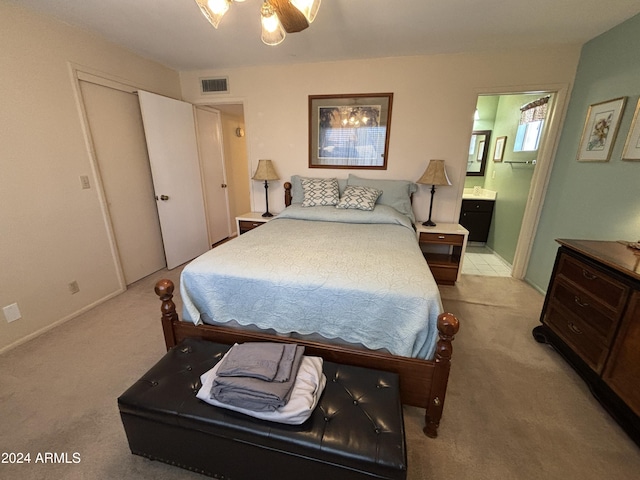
<point>433,105</point>
<point>51,231</point>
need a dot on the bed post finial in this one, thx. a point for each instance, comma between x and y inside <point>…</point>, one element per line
<point>448,326</point>
<point>164,289</point>
<point>287,194</point>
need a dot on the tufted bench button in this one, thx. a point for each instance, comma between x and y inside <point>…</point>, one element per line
<point>355,402</point>
<point>189,367</point>
<point>377,430</point>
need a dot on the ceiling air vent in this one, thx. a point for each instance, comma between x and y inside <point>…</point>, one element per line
<point>214,85</point>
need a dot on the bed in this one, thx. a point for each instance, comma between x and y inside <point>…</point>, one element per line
<point>349,283</point>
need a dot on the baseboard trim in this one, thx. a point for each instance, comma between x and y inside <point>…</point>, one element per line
<point>57,323</point>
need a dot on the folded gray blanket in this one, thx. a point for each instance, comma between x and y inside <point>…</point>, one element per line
<point>254,359</point>
<point>286,363</point>
<point>255,394</point>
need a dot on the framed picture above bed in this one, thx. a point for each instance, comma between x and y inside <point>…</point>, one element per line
<point>349,131</point>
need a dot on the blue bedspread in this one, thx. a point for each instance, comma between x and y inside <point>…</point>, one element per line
<point>348,274</point>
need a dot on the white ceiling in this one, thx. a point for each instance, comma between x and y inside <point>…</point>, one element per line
<point>174,32</point>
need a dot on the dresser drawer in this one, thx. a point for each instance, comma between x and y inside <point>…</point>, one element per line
<point>578,336</point>
<point>608,290</point>
<point>443,238</point>
<point>588,308</point>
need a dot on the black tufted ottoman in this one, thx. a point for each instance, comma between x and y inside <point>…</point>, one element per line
<point>355,432</point>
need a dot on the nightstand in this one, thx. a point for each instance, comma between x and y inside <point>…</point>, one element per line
<point>249,221</point>
<point>443,248</point>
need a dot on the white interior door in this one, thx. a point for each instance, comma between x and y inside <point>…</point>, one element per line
<point>173,154</point>
<point>118,140</point>
<point>215,180</point>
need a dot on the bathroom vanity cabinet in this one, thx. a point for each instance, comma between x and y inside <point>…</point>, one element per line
<point>475,216</point>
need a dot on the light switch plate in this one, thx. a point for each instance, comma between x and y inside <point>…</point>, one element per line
<point>12,312</point>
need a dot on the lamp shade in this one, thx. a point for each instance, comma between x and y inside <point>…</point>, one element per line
<point>265,171</point>
<point>214,10</point>
<point>309,8</point>
<point>273,32</point>
<point>435,174</point>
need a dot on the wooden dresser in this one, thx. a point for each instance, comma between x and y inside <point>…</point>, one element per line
<point>591,315</point>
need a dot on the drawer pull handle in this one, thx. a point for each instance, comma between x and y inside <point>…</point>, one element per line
<point>573,328</point>
<point>579,302</point>
<point>441,237</point>
<point>588,276</point>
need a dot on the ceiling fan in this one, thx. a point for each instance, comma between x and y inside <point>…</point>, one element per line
<point>277,16</point>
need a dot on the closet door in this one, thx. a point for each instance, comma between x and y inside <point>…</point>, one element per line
<point>118,139</point>
<point>173,153</point>
<point>215,180</point>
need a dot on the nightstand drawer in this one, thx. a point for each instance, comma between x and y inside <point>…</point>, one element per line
<point>246,225</point>
<point>444,275</point>
<point>442,238</point>
<point>609,291</point>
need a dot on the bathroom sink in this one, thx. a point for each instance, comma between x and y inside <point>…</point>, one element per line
<point>478,193</point>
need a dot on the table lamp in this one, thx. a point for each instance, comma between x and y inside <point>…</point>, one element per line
<point>266,172</point>
<point>435,174</point>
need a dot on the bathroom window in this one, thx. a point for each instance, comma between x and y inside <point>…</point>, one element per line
<point>532,116</point>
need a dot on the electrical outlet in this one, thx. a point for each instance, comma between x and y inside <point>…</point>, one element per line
<point>12,312</point>
<point>84,181</point>
<point>73,287</point>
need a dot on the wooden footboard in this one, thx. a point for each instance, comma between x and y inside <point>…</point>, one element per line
<point>423,383</point>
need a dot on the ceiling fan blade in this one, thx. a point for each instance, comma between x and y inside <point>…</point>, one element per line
<point>291,18</point>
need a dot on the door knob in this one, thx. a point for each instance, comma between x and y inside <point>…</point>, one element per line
<point>162,197</point>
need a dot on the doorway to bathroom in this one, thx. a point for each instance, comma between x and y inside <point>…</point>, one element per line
<point>509,157</point>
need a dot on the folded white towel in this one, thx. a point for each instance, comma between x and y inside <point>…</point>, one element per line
<point>307,389</point>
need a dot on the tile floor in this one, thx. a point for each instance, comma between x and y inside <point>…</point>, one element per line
<point>480,260</point>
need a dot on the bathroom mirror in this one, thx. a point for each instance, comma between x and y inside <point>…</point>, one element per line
<point>478,152</point>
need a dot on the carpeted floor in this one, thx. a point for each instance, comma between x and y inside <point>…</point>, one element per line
<point>514,409</point>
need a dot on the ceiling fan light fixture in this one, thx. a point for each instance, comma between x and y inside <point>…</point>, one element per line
<point>272,31</point>
<point>214,10</point>
<point>309,8</point>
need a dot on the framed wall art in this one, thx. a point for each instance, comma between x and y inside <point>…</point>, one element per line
<point>349,131</point>
<point>632,145</point>
<point>498,151</point>
<point>600,130</point>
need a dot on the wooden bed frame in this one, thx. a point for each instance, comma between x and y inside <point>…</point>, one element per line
<point>423,383</point>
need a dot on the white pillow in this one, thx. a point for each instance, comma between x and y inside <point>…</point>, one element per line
<point>362,198</point>
<point>320,191</point>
